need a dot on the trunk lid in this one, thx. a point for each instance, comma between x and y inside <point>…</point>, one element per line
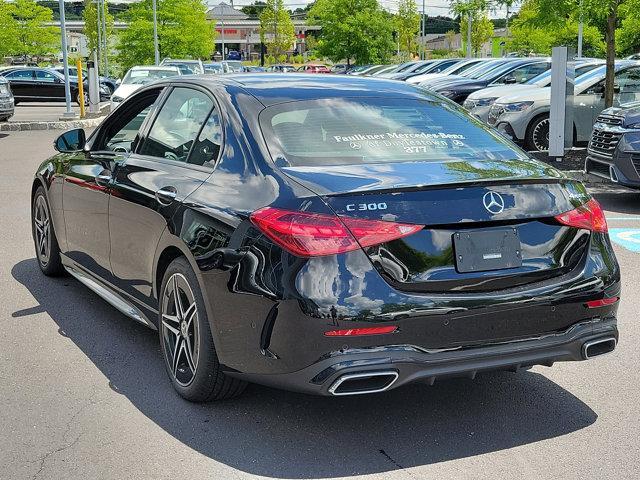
<point>488,225</point>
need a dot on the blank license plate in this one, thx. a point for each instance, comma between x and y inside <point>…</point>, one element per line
<point>485,250</point>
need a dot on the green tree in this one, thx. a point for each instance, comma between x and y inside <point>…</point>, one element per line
<point>600,13</point>
<point>628,32</point>
<point>508,5</point>
<point>353,30</point>
<point>90,17</point>
<point>450,37</point>
<point>481,30</point>
<point>183,32</point>
<point>276,28</point>
<point>8,30</point>
<point>254,9</point>
<point>529,37</point>
<point>33,36</point>
<point>407,23</point>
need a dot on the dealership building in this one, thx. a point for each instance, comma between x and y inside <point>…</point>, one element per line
<point>236,31</point>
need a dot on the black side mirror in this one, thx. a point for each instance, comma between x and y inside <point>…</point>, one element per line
<point>71,141</point>
<point>510,80</point>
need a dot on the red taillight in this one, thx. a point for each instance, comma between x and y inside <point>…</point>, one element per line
<point>588,216</point>
<point>603,302</point>
<point>361,331</point>
<point>313,234</point>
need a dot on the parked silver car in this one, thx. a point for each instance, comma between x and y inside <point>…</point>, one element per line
<point>479,103</point>
<point>7,105</point>
<point>524,116</point>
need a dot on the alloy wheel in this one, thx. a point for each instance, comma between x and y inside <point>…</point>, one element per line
<point>180,332</point>
<point>42,227</point>
<point>540,135</point>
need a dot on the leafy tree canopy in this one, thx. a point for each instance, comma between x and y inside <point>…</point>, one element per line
<point>353,30</point>
<point>183,32</point>
<point>276,28</point>
<point>407,25</point>
<point>90,17</point>
<point>481,29</point>
<point>25,31</point>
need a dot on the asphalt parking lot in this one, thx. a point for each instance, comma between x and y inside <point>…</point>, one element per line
<point>84,395</point>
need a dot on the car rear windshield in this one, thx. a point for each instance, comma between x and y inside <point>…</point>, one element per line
<point>351,131</point>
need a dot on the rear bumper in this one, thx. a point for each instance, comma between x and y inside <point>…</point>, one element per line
<point>404,364</point>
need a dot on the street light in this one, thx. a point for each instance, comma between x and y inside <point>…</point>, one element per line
<point>65,61</point>
<point>156,52</point>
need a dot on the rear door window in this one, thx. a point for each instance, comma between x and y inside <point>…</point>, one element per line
<point>348,131</point>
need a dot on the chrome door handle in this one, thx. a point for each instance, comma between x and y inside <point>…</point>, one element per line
<point>166,195</point>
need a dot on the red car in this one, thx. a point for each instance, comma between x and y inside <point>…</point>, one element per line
<point>314,68</point>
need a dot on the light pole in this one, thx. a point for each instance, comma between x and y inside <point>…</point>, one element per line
<point>65,61</point>
<point>105,50</point>
<point>156,52</point>
<point>469,35</point>
<point>423,29</point>
<point>222,18</point>
<point>580,26</point>
<point>99,27</point>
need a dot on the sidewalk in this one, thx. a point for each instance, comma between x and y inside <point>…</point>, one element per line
<point>46,116</point>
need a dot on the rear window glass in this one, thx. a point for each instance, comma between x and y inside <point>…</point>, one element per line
<point>348,131</point>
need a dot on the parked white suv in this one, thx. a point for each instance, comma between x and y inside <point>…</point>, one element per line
<point>524,115</point>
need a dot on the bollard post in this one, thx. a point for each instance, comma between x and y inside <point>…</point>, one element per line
<point>94,92</point>
<point>80,86</point>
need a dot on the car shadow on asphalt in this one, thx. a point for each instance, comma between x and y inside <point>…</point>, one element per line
<point>279,434</point>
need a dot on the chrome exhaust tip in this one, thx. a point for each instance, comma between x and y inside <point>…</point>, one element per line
<point>595,348</point>
<point>365,382</point>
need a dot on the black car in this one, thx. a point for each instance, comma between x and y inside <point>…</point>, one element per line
<point>334,235</point>
<point>6,100</point>
<point>511,72</point>
<point>109,83</point>
<point>45,85</point>
<point>614,147</point>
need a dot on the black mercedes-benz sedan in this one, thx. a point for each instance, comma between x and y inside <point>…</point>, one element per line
<point>334,235</point>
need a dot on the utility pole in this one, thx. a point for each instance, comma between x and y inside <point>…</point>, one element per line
<point>580,27</point>
<point>423,29</point>
<point>99,27</point>
<point>156,52</point>
<point>65,61</point>
<point>222,19</point>
<point>469,35</point>
<point>105,50</point>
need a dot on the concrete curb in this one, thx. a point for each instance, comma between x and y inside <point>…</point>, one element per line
<point>91,120</point>
<point>59,125</point>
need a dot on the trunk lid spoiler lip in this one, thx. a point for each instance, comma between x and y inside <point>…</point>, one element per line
<point>384,178</point>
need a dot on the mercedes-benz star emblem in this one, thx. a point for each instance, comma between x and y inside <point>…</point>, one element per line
<point>493,202</point>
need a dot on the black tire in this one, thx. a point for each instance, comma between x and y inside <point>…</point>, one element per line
<point>47,249</point>
<point>4,118</point>
<point>195,371</point>
<point>537,136</point>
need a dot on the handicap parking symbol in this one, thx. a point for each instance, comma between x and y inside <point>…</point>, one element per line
<point>628,238</point>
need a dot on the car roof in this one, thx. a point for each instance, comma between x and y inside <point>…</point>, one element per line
<point>154,67</point>
<point>271,89</point>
